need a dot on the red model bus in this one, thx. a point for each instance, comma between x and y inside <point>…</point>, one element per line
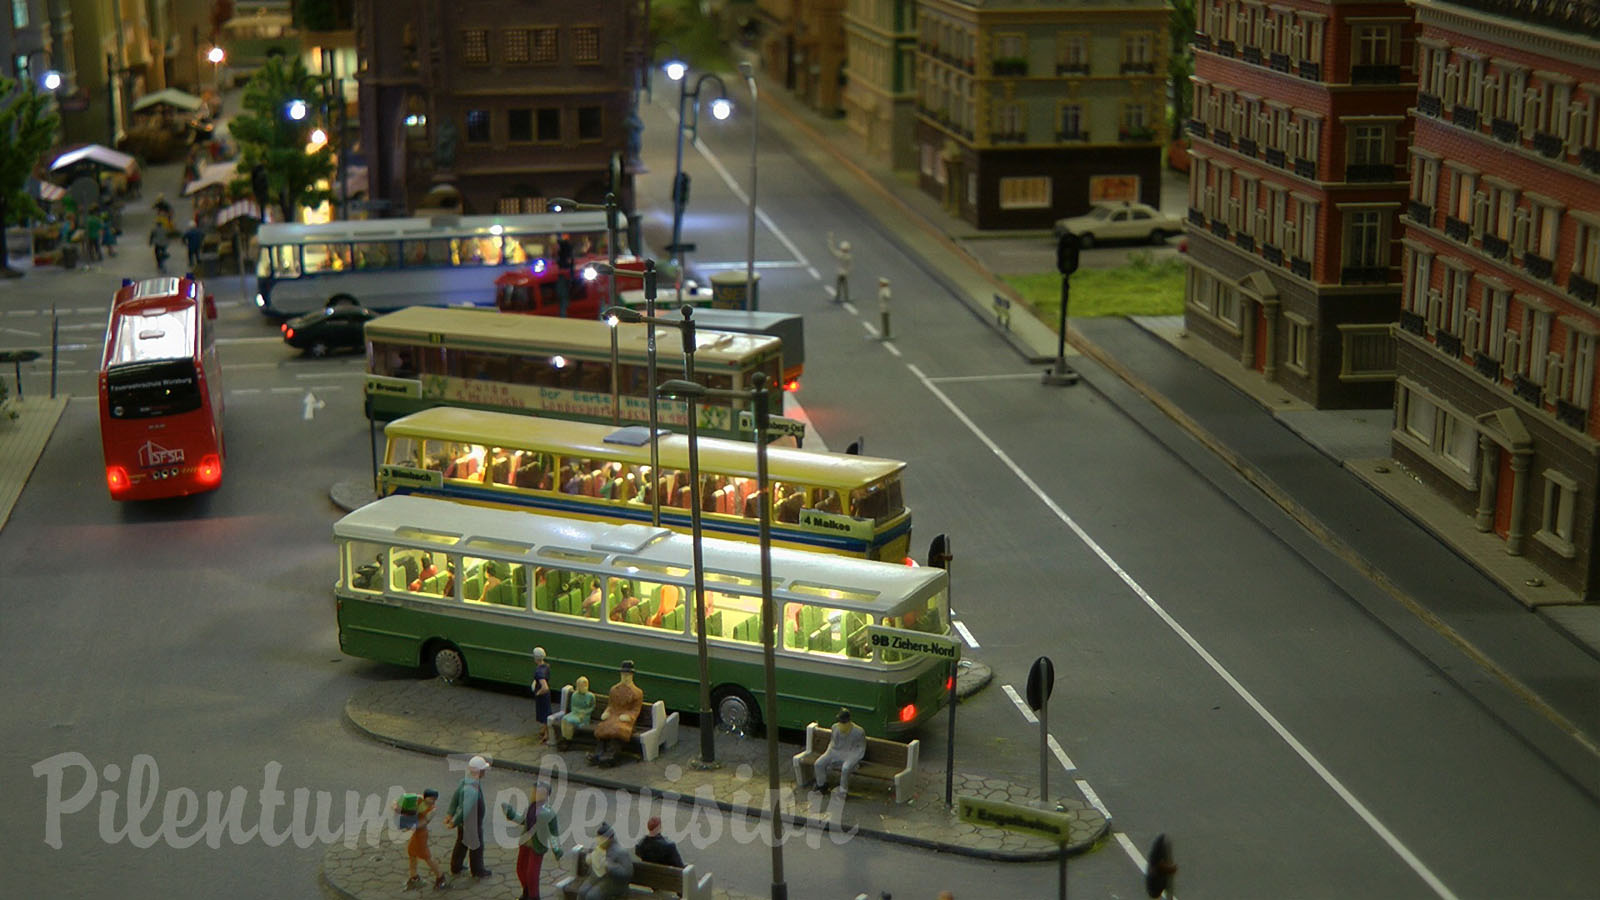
<point>533,290</point>
<point>161,391</point>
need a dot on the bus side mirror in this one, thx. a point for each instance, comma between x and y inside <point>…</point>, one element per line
<point>211,306</point>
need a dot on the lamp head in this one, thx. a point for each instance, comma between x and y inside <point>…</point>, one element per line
<point>678,387</point>
<point>623,314</point>
<point>721,108</point>
<point>557,203</point>
<point>675,69</point>
<point>215,56</point>
<point>51,80</point>
<point>296,109</point>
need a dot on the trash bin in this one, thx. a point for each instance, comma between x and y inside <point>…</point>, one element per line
<point>19,248</point>
<point>69,255</point>
<point>730,290</point>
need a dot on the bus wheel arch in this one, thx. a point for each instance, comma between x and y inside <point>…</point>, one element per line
<point>736,711</point>
<point>343,300</point>
<point>445,660</point>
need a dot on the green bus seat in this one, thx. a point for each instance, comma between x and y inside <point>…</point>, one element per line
<point>541,597</point>
<point>714,624</point>
<point>634,615</point>
<point>673,620</point>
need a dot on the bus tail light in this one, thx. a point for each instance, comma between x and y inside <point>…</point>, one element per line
<point>283,326</point>
<point>792,385</point>
<point>116,479</point>
<point>288,332</point>
<point>908,712</point>
<point>949,682</point>
<point>210,471</point>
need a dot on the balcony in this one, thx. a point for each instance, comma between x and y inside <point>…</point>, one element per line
<point>1428,105</point>
<point>1310,71</point>
<point>1067,136</point>
<point>1220,229</point>
<point>1196,128</point>
<point>1272,254</point>
<point>1487,366</point>
<point>1072,68</point>
<point>1527,390</point>
<point>1574,416</point>
<point>1547,145</point>
<point>1008,137</point>
<point>1583,289</point>
<point>1136,135</point>
<point>1279,62</point>
<point>1305,168</point>
<point>1275,157</point>
<point>1225,138</point>
<point>1245,242</point>
<point>1496,246</point>
<point>1301,267</point>
<point>1247,146</point>
<point>1138,68</point>
<point>1420,213</point>
<point>1464,117</point>
<point>1226,48</point>
<point>1202,41</point>
<point>1371,74</point>
<point>1252,55</point>
<point>1369,172</point>
<point>1197,218</point>
<point>1538,266</point>
<point>1589,158</point>
<point>1364,275</point>
<point>1007,68</point>
<point>1457,230</point>
<point>1448,344</point>
<point>1410,321</point>
<point>1505,130</point>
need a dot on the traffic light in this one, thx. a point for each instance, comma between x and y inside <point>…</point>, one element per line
<point>680,190</point>
<point>564,260</point>
<point>1067,253</point>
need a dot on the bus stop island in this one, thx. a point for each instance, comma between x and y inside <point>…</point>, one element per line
<point>426,715</point>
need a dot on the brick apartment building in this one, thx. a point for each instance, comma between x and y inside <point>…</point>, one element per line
<point>1027,112</point>
<point>1296,188</point>
<point>499,103</point>
<point>1495,362</point>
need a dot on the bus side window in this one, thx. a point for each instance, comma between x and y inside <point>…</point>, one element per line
<point>405,568</point>
<point>364,564</point>
<point>403,452</point>
<point>827,501</point>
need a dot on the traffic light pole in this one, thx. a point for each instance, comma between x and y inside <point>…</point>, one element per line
<point>1062,374</point>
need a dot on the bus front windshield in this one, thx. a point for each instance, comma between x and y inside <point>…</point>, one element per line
<point>147,390</point>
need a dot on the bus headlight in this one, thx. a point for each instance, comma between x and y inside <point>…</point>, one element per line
<point>260,300</point>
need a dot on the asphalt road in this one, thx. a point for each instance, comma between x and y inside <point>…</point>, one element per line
<point>1292,744</point>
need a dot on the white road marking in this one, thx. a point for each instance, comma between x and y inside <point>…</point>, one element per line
<point>1066,762</point>
<point>265,365</point>
<point>1133,853</point>
<point>1332,781</point>
<point>245,391</point>
<point>812,271</point>
<point>734,265</point>
<point>22,312</point>
<point>952,379</point>
<point>311,375</point>
<point>850,308</point>
<point>81,326</point>
<point>1092,797</point>
<point>90,310</point>
<point>744,198</point>
<point>312,404</point>
<point>254,340</point>
<point>20,331</point>
<point>1016,699</point>
<point>966,635</point>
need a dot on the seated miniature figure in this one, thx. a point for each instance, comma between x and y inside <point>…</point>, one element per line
<point>622,712</point>
<point>610,867</point>
<point>580,708</point>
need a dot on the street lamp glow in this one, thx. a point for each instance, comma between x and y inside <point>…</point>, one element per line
<point>51,80</point>
<point>721,108</point>
<point>612,320</point>
<point>215,56</point>
<point>318,137</point>
<point>589,273</point>
<point>675,70</point>
<point>297,109</point>
<point>558,361</point>
<point>497,230</point>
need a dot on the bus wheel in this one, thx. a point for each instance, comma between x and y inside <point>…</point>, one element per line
<point>448,664</point>
<point>736,711</point>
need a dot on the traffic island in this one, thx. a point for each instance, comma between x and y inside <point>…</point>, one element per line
<point>430,716</point>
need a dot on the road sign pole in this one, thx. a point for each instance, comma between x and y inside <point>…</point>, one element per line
<point>1061,872</point>
<point>939,555</point>
<point>1041,681</point>
<point>1044,754</point>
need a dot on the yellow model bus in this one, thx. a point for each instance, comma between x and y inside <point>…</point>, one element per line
<point>464,591</point>
<point>833,502</point>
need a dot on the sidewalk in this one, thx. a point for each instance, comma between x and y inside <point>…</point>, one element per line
<point>433,717</point>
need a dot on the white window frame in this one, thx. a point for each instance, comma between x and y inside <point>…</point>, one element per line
<point>1558,513</point>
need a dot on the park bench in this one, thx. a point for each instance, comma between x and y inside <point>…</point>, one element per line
<point>886,763</point>
<point>656,728</point>
<point>647,880</point>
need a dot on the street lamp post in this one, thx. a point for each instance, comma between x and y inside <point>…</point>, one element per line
<point>610,206</point>
<point>759,398</point>
<point>650,378</point>
<point>216,55</point>
<point>721,107</point>
<point>751,300</point>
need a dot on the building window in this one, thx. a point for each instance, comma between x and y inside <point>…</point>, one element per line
<point>1536,343</point>
<point>1228,304</point>
<point>1025,193</point>
<point>549,122</point>
<point>1072,53</point>
<point>1308,230</point>
<point>1376,45</point>
<point>475,46</point>
<point>519,126</point>
<point>1364,244</point>
<point>1010,121</point>
<point>1136,51</point>
<point>1586,248</point>
<point>1418,272</point>
<point>19,14</point>
<point>1424,179</point>
<point>1560,502</point>
<point>586,44</point>
<point>545,47</point>
<point>590,123</point>
<point>1369,145</point>
<point>1297,352</point>
<point>1580,380</point>
<point>477,126</point>
<point>1070,124</point>
<point>1437,433</point>
<point>518,49</point>
<point>972,189</point>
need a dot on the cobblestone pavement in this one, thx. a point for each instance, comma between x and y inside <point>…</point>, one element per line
<point>432,717</point>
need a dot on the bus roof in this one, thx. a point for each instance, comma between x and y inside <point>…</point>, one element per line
<point>512,333</point>
<point>724,457</point>
<point>429,228</point>
<point>865,585</point>
<point>153,319</point>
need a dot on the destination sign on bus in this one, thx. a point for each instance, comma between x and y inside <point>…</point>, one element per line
<point>836,523</point>
<point>777,426</point>
<point>411,477</point>
<point>906,640</point>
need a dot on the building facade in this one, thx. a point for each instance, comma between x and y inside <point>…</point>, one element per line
<point>496,106</point>
<point>1297,182</point>
<point>803,47</point>
<point>880,77</point>
<point>1495,397</point>
<point>1029,111</point>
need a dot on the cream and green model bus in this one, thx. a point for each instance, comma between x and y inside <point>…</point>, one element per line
<point>466,591</point>
<point>832,502</point>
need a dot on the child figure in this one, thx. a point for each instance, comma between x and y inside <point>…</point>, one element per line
<point>417,846</point>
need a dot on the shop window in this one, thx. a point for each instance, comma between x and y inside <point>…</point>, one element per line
<point>478,126</point>
<point>1560,503</point>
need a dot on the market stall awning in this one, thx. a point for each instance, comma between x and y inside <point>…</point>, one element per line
<point>95,154</point>
<point>46,191</point>
<point>213,176</point>
<point>169,97</point>
<point>236,210</point>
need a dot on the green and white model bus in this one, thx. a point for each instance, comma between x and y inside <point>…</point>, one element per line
<point>463,591</point>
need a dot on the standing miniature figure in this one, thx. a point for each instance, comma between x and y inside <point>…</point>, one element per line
<point>108,235</point>
<point>610,867</point>
<point>845,749</point>
<point>540,835</point>
<point>656,847</point>
<point>193,239</point>
<point>158,240</point>
<point>466,817</point>
<point>417,847</point>
<point>883,307</point>
<point>580,707</point>
<point>91,236</point>
<point>541,690</point>
<point>162,208</point>
<point>622,711</point>
<point>841,284</point>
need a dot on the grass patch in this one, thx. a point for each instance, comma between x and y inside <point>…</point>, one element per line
<point>680,24</point>
<point>1143,287</point>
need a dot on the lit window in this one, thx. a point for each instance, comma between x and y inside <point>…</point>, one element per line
<point>475,46</point>
<point>545,45</point>
<point>586,44</point>
<point>1025,193</point>
<point>518,46</point>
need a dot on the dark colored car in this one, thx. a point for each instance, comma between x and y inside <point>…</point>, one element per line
<point>337,327</point>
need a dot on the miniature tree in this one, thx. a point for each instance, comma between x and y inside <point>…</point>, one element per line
<point>268,136</point>
<point>27,129</point>
<point>1180,62</point>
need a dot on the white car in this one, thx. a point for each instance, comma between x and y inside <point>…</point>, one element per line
<point>1120,222</point>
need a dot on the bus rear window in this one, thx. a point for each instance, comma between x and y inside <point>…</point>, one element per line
<point>146,390</point>
<point>879,502</point>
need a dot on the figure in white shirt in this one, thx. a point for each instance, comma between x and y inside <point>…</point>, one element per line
<point>841,285</point>
<point>845,750</point>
